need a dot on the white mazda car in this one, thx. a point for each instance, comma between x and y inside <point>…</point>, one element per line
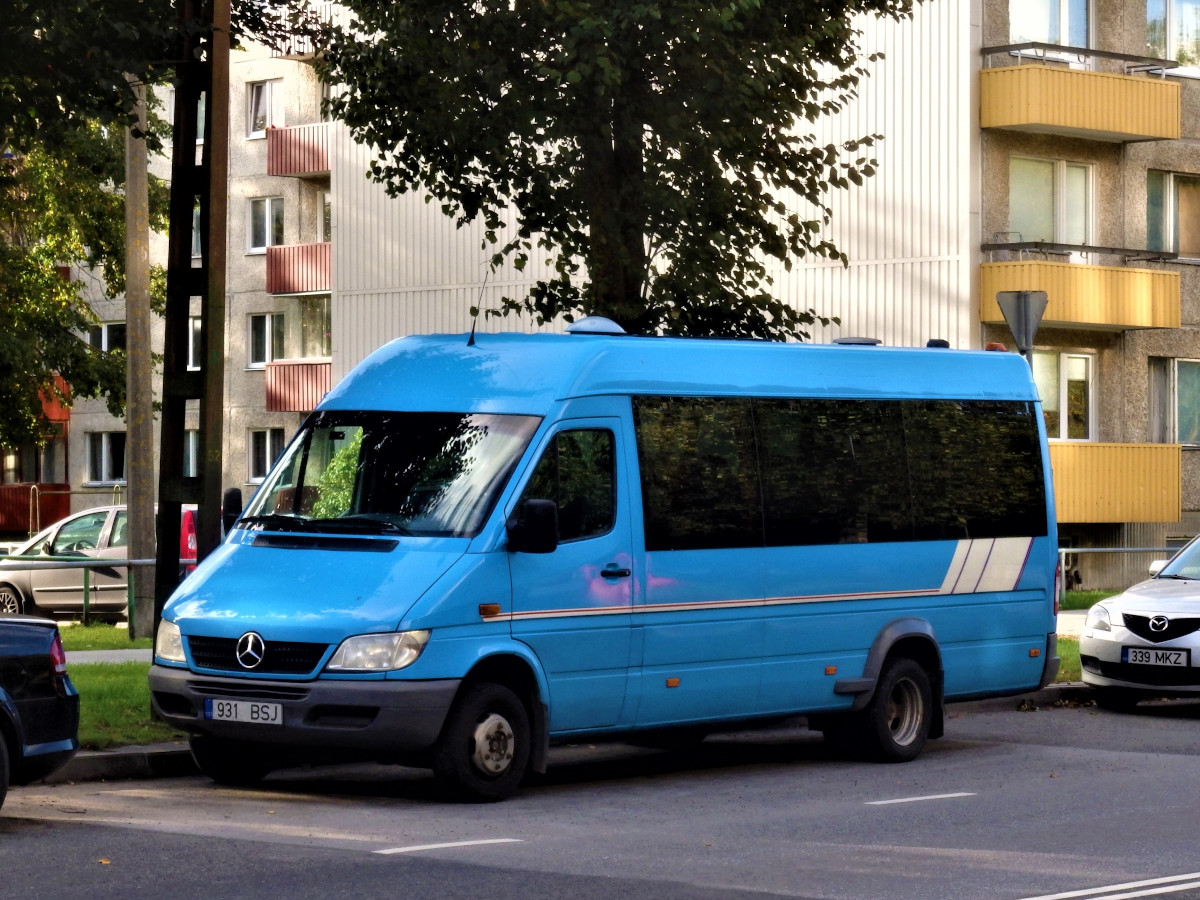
<point>1145,643</point>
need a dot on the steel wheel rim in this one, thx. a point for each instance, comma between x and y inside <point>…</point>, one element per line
<point>494,745</point>
<point>905,710</point>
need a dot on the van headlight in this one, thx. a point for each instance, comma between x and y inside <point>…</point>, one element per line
<point>168,643</point>
<point>1098,618</point>
<point>378,652</point>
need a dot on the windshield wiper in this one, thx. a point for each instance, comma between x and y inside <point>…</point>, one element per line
<point>1176,577</point>
<point>363,523</point>
<point>277,520</point>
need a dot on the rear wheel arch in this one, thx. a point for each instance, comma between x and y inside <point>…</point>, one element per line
<point>908,638</point>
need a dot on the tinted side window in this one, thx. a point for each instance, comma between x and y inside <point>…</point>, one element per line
<point>578,472</point>
<point>976,469</point>
<point>833,471</point>
<point>699,473</point>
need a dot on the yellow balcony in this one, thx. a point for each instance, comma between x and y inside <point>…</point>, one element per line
<point>1107,298</point>
<point>1099,106</point>
<point>1096,482</point>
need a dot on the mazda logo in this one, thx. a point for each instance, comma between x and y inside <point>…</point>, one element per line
<point>250,650</point>
<point>1159,623</point>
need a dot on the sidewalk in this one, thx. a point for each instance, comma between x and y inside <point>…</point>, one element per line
<point>175,760</point>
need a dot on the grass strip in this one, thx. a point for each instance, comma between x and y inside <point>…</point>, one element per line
<point>99,636</point>
<point>114,706</point>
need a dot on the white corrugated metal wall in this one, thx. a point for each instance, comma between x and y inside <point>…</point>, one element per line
<point>401,267</point>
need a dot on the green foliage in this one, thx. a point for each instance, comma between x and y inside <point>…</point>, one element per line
<point>335,488</point>
<point>100,636</point>
<point>654,152</point>
<point>60,207</point>
<point>114,706</point>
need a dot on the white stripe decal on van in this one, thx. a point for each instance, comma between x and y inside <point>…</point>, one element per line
<point>978,566</point>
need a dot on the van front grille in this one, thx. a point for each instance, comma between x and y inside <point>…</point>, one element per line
<point>279,657</point>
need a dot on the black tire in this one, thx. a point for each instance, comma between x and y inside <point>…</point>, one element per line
<point>484,747</point>
<point>10,600</point>
<point>1119,700</point>
<point>899,716</point>
<point>4,769</point>
<point>895,724</point>
<point>233,763</point>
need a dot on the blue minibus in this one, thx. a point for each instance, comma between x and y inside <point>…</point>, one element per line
<point>479,546</point>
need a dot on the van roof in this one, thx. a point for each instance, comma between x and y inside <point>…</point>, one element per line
<point>526,373</point>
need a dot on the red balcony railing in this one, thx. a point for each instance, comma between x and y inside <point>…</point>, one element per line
<point>298,269</point>
<point>300,150</point>
<point>296,385</point>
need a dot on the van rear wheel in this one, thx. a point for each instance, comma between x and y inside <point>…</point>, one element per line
<point>896,722</point>
<point>234,763</point>
<point>484,748</point>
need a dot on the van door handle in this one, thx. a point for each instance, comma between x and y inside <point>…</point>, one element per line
<point>613,571</point>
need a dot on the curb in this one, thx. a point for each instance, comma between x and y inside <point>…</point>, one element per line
<point>150,761</point>
<point>175,760</point>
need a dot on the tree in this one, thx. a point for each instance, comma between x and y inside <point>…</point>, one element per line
<point>57,210</point>
<point>652,149</point>
<point>66,98</point>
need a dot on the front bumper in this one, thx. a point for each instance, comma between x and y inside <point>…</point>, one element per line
<point>1101,666</point>
<point>380,719</point>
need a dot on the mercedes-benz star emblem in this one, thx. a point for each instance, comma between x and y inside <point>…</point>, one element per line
<point>250,649</point>
<point>1159,623</point>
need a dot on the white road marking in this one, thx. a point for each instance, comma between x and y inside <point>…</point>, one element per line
<point>917,799</point>
<point>1170,885</point>
<point>447,846</point>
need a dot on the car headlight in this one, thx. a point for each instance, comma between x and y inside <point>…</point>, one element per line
<point>168,644</point>
<point>1098,618</point>
<point>378,652</point>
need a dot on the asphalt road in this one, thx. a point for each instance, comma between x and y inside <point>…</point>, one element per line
<point>1013,804</point>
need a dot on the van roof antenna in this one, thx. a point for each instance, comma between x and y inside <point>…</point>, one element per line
<point>475,309</point>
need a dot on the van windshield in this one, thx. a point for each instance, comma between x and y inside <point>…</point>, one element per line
<point>427,474</point>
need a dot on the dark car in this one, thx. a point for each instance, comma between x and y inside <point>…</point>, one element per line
<point>39,707</point>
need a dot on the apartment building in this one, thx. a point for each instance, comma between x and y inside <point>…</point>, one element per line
<point>1044,145</point>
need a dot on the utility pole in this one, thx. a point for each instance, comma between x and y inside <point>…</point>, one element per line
<point>202,71</point>
<point>139,416</point>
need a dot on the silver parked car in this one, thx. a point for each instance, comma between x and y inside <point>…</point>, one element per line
<point>99,533</point>
<point>1145,642</point>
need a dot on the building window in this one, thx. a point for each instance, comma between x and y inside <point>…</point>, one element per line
<point>1173,213</point>
<point>195,344</point>
<point>266,339</point>
<point>314,337</point>
<point>1049,200</point>
<point>264,227</point>
<point>263,107</point>
<point>106,456</point>
<point>1173,30</point>
<point>326,222</point>
<point>191,453</point>
<point>265,446</point>
<point>1175,400</point>
<point>106,337</point>
<point>1064,381</point>
<point>197,236</point>
<point>1062,22</point>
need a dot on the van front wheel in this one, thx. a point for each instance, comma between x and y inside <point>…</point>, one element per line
<point>228,762</point>
<point>484,748</point>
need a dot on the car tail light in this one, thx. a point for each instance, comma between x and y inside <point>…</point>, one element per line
<point>187,539</point>
<point>58,656</point>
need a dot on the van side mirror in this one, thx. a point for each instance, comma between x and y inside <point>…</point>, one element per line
<point>231,508</point>
<point>533,527</point>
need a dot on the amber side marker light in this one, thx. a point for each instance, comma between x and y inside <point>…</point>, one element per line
<point>995,345</point>
<point>831,670</point>
<point>489,610</point>
<point>1035,653</point>
<point>672,682</point>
